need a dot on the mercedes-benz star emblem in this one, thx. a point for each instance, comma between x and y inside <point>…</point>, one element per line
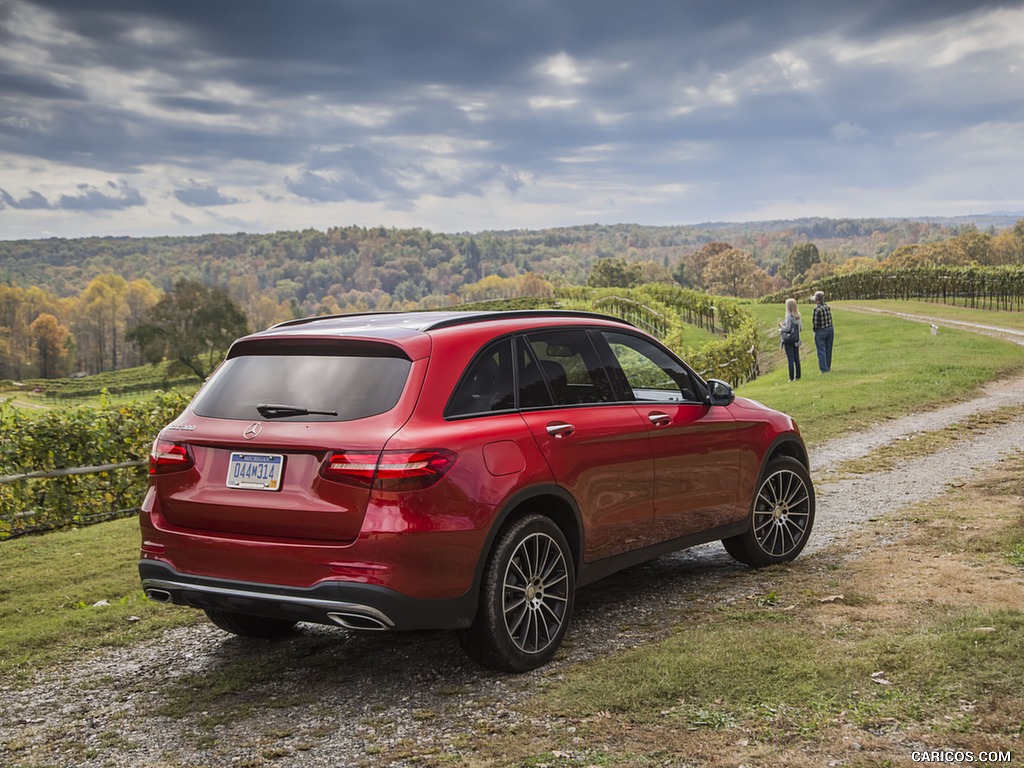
<point>252,430</point>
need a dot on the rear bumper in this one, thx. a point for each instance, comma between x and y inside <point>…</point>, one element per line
<point>351,605</point>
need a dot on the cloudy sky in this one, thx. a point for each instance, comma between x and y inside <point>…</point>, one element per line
<point>145,117</point>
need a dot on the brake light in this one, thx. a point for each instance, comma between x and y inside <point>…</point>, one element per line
<point>169,457</point>
<point>389,470</point>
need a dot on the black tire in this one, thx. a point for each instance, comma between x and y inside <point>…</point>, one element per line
<point>526,598</point>
<point>781,516</point>
<point>250,626</point>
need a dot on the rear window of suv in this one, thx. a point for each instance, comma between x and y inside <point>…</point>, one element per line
<point>352,386</point>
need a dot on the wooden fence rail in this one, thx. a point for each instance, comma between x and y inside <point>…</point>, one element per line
<point>67,472</point>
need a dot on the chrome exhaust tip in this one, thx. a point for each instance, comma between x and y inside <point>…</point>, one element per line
<point>360,621</point>
<point>159,595</point>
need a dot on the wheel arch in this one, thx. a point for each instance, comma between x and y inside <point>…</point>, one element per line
<point>551,501</point>
<point>788,444</point>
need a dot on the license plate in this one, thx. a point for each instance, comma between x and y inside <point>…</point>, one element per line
<point>256,471</point>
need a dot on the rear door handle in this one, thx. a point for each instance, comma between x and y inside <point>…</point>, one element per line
<point>659,419</point>
<point>559,429</point>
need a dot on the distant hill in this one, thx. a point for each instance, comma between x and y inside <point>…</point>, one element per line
<point>306,267</point>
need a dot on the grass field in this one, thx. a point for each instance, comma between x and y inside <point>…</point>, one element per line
<point>882,367</point>
<point>51,587</point>
<point>999,319</point>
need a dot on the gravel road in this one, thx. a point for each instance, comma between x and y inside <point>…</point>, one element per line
<point>328,697</point>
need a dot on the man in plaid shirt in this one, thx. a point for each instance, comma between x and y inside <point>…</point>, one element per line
<point>821,322</point>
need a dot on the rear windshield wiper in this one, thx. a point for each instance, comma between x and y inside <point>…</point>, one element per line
<point>278,411</point>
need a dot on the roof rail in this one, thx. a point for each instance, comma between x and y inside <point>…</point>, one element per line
<point>317,318</point>
<point>459,317</point>
<point>483,316</point>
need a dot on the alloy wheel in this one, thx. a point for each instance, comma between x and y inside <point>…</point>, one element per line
<point>535,593</point>
<point>782,513</point>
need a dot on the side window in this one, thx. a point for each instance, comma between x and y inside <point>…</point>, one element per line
<point>563,368</point>
<point>487,385</point>
<point>651,372</point>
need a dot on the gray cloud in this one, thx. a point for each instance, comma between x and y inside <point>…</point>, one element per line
<point>335,101</point>
<point>33,202</point>
<point>90,198</point>
<point>352,173</point>
<point>202,195</point>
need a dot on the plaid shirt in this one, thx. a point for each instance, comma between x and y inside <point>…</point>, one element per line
<point>821,317</point>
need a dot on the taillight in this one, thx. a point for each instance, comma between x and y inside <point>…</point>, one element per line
<point>169,457</point>
<point>389,470</point>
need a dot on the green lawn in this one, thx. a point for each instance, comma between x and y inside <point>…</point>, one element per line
<point>999,319</point>
<point>882,367</point>
<point>50,589</point>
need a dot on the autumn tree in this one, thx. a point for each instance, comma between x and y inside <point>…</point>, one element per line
<point>689,271</point>
<point>495,287</point>
<point>857,264</point>
<point>193,325</point>
<point>101,322</point>
<point>818,271</point>
<point>972,247</point>
<point>653,272</point>
<point>906,256</point>
<point>51,339</point>
<point>734,273</point>
<point>140,296</point>
<point>1008,245</point>
<point>19,307</point>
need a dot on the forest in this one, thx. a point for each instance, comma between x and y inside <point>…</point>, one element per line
<point>67,307</point>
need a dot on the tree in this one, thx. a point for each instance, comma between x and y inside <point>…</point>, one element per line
<point>102,314</point>
<point>51,343</point>
<point>192,325</point>
<point>19,307</point>
<point>471,255</point>
<point>689,272</point>
<point>817,272</point>
<point>801,258</point>
<point>614,273</point>
<point>140,296</point>
<point>1009,244</point>
<point>972,247</point>
<point>653,272</point>
<point>734,273</point>
<point>906,256</point>
<point>684,275</point>
<point>857,264</point>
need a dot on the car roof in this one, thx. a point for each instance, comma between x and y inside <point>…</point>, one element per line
<point>409,331</point>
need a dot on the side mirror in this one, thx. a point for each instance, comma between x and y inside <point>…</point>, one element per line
<point>719,392</point>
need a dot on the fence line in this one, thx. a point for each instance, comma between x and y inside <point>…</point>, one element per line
<point>67,472</point>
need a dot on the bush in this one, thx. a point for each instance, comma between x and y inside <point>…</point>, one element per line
<point>79,436</point>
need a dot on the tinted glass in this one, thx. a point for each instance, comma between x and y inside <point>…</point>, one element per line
<point>651,372</point>
<point>487,385</point>
<point>566,365</point>
<point>352,386</point>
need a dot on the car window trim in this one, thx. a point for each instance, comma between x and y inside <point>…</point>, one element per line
<point>587,331</point>
<point>700,386</point>
<point>510,337</point>
<point>614,375</point>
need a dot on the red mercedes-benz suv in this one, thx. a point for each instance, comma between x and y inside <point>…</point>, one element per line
<point>464,470</point>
